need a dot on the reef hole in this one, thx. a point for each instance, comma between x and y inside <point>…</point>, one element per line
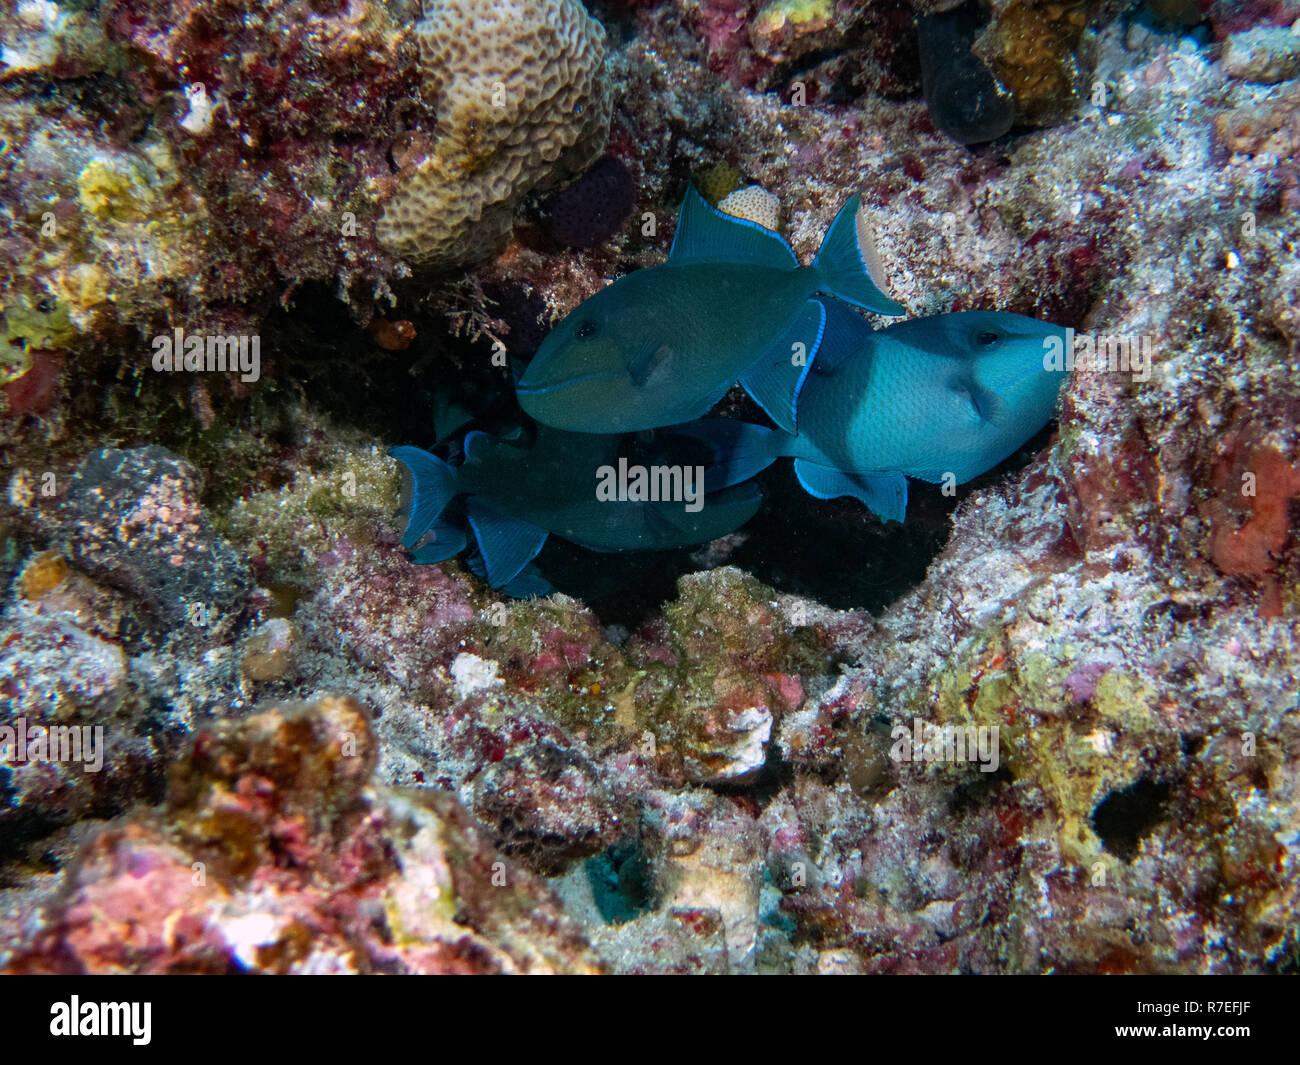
<point>1124,818</point>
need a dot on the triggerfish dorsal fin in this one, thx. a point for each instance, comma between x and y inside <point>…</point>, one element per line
<point>507,543</point>
<point>885,494</point>
<point>775,378</point>
<point>847,260</point>
<point>707,235</point>
<point>428,485</point>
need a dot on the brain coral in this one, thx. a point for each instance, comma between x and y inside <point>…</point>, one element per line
<point>523,101</point>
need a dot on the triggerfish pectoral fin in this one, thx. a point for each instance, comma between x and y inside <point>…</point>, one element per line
<point>428,485</point>
<point>983,402</point>
<point>707,235</point>
<point>775,378</point>
<point>847,259</point>
<point>885,494</point>
<point>508,544</point>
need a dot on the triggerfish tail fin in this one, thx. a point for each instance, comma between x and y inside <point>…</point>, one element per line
<point>847,259</point>
<point>707,235</point>
<point>885,494</point>
<point>775,378</point>
<point>507,543</point>
<point>734,451</point>
<point>428,485</point>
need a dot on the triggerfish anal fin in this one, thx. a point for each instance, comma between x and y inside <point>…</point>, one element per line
<point>528,584</point>
<point>847,259</point>
<point>885,494</point>
<point>707,235</point>
<point>448,541</point>
<point>775,379</point>
<point>508,544</point>
<point>722,513</point>
<point>428,484</point>
<point>476,444</point>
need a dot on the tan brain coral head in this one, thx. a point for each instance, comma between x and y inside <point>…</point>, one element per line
<point>523,102</point>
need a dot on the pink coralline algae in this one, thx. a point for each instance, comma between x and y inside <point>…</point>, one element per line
<point>285,114</point>
<point>361,882</point>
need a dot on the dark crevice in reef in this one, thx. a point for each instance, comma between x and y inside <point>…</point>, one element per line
<point>20,847</point>
<point>978,790</point>
<point>1124,818</point>
<point>620,882</point>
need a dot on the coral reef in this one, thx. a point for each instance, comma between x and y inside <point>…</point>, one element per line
<point>132,520</point>
<point>754,203</point>
<point>1048,725</point>
<point>369,881</point>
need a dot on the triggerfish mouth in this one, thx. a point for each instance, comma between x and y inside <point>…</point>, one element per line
<point>941,399</point>
<point>662,345</point>
<point>512,496</point>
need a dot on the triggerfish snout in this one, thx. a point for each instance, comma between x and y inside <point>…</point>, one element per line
<point>662,345</point>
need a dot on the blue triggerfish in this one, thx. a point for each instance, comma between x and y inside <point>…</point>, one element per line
<point>944,398</point>
<point>661,346</point>
<point>605,493</point>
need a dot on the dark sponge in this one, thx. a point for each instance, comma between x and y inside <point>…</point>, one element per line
<point>591,209</point>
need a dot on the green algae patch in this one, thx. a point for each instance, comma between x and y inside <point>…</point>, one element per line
<point>718,182</point>
<point>30,323</point>
<point>119,192</point>
<point>353,491</point>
